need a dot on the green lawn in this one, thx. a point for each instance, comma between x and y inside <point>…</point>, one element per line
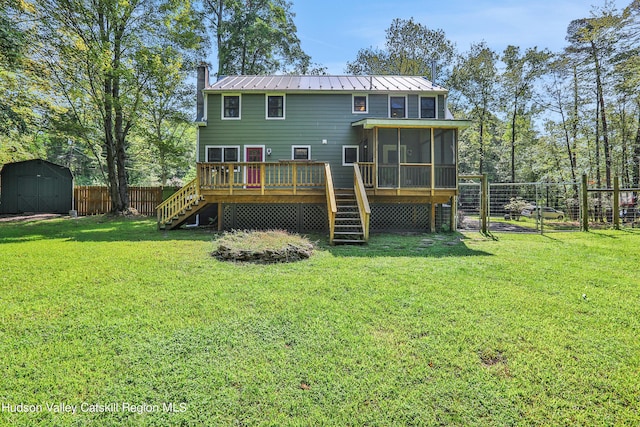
<point>409,330</point>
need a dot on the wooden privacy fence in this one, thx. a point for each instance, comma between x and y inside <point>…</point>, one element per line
<point>95,200</point>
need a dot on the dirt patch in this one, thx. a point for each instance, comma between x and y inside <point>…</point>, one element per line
<point>474,225</point>
<point>28,217</point>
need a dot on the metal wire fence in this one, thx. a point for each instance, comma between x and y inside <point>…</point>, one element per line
<point>542,207</point>
<point>523,207</point>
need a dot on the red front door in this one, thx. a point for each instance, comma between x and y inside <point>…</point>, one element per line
<point>253,155</point>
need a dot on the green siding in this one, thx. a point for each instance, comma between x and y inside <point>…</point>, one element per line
<point>309,119</point>
<point>413,109</point>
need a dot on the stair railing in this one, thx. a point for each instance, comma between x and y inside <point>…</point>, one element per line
<point>179,202</point>
<point>332,207</point>
<point>363,201</point>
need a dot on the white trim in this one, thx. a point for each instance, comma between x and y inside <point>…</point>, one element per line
<point>266,105</point>
<point>420,106</point>
<point>357,147</point>
<point>206,108</point>
<point>406,105</point>
<point>254,146</point>
<point>293,150</point>
<point>353,105</point>
<point>246,169</point>
<point>222,96</point>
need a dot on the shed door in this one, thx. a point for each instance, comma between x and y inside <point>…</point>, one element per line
<point>27,194</point>
<point>38,194</point>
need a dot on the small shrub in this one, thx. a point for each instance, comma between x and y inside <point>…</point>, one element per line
<point>515,207</point>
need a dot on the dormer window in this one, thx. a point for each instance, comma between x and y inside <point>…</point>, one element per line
<point>398,107</point>
<point>360,104</point>
<point>428,107</point>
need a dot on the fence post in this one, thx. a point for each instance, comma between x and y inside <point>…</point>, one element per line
<point>616,203</point>
<point>585,204</point>
<point>484,203</point>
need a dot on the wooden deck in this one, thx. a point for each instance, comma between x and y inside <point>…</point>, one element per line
<point>301,182</point>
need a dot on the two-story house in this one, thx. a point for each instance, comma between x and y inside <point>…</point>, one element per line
<point>345,154</point>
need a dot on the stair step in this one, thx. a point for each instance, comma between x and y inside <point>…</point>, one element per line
<point>349,233</point>
<point>347,241</point>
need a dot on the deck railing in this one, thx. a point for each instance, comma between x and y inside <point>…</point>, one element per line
<point>262,176</point>
<point>445,176</point>
<point>367,172</point>
<point>407,175</point>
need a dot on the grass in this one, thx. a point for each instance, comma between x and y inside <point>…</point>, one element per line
<point>410,330</point>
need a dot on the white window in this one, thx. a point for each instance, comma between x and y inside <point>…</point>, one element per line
<point>349,154</point>
<point>398,107</point>
<point>275,106</point>
<point>301,152</point>
<point>221,154</point>
<point>360,104</point>
<point>231,105</point>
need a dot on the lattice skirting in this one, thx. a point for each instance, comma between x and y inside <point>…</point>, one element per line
<point>408,217</point>
<point>304,218</point>
<point>298,218</point>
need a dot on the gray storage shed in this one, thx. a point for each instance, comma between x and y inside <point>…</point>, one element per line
<point>35,186</point>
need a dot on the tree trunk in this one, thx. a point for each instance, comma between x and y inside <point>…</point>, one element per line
<point>603,116</point>
<point>598,210</point>
<point>513,140</point>
<point>219,33</point>
<point>107,103</point>
<point>636,154</point>
<point>481,146</point>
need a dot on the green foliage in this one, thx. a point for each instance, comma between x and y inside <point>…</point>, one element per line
<point>410,48</point>
<point>516,330</point>
<point>257,37</point>
<point>515,206</point>
<point>115,56</point>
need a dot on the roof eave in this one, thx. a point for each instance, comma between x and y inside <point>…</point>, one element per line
<point>371,123</point>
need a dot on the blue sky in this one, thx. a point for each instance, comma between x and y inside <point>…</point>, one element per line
<point>333,31</point>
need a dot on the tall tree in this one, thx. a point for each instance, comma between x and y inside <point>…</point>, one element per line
<point>97,51</point>
<point>410,49</point>
<point>475,77</point>
<point>256,37</point>
<point>518,82</point>
<point>167,128</point>
<point>593,40</point>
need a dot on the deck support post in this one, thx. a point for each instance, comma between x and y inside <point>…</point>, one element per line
<point>432,218</point>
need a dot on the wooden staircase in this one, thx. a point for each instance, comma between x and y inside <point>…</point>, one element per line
<point>183,204</point>
<point>348,224</point>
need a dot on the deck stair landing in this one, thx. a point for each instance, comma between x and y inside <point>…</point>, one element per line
<point>348,225</point>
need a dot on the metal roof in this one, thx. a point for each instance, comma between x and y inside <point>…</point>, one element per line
<point>289,83</point>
